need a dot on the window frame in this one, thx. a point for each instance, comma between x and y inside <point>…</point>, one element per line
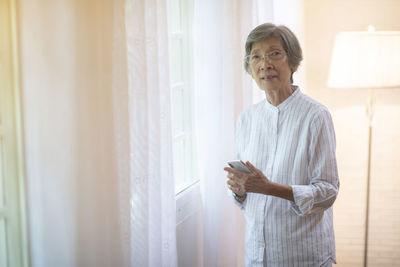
<point>186,85</point>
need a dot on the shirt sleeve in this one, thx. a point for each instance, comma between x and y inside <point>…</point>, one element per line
<point>322,191</point>
<point>241,205</point>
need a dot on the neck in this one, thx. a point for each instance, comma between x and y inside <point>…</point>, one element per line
<point>276,97</point>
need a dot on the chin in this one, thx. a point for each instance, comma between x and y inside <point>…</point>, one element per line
<point>269,87</point>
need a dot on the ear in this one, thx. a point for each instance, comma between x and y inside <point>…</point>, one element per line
<point>293,69</point>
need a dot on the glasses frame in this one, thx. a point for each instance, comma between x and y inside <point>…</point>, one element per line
<point>269,56</point>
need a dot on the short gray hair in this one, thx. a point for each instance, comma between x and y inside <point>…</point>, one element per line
<point>287,38</point>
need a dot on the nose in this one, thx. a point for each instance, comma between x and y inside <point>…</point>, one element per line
<point>266,63</point>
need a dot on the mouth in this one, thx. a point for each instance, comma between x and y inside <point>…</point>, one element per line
<point>269,77</point>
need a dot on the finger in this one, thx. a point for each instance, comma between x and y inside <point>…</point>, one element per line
<point>237,178</point>
<point>232,183</point>
<point>233,188</point>
<point>254,169</point>
<point>251,166</point>
<point>231,170</point>
<point>236,190</point>
<point>230,177</point>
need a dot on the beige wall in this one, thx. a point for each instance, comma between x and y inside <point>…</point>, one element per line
<point>323,19</point>
<point>65,49</point>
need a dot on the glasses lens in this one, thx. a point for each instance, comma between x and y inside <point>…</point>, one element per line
<point>273,56</point>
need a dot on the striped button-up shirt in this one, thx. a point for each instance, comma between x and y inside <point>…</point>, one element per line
<point>292,144</point>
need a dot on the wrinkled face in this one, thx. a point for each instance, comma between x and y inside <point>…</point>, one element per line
<point>268,64</point>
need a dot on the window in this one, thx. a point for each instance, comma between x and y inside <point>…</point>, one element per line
<point>13,245</point>
<point>180,15</point>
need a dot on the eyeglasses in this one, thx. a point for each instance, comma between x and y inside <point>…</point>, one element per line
<point>255,59</point>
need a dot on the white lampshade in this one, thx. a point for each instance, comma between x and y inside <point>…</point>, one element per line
<point>369,59</point>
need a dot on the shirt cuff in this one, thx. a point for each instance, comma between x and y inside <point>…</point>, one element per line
<point>240,204</point>
<point>303,199</point>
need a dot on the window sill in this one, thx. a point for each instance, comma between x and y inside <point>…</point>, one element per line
<point>188,202</point>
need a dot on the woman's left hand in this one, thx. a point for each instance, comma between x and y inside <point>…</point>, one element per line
<point>254,182</point>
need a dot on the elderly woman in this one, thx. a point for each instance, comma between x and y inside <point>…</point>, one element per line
<point>290,141</point>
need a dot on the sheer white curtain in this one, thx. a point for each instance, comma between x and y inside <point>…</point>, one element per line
<point>223,89</point>
<point>96,103</point>
<point>143,126</point>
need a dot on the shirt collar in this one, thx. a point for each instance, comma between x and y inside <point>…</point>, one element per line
<point>282,106</point>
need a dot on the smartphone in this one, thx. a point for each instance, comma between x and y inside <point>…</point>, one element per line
<point>238,165</point>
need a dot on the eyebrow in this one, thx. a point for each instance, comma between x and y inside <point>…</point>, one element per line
<point>270,48</point>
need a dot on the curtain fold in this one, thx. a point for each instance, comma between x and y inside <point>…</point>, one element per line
<point>142,115</point>
<point>222,86</point>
